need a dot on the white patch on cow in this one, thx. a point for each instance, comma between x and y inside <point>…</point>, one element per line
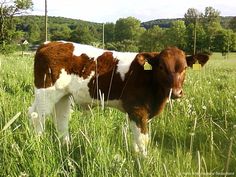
<point>125,59</point>
<point>79,89</point>
<point>75,85</point>
<point>140,140</point>
<point>91,51</point>
<point>63,80</point>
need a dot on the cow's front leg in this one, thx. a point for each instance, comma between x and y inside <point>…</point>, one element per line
<point>140,136</point>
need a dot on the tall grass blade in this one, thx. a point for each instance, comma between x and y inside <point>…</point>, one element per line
<point>8,124</point>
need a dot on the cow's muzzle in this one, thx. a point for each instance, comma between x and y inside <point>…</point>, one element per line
<point>176,93</point>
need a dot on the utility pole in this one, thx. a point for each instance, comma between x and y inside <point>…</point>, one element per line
<point>103,36</point>
<point>46,21</point>
<point>195,36</point>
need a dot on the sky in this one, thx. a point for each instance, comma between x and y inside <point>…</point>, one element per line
<point>103,11</point>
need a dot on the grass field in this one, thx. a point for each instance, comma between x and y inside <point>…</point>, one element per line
<point>197,137</point>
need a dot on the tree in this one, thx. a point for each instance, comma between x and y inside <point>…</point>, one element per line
<point>191,16</point>
<point>33,33</point>
<point>85,34</point>
<point>8,9</point>
<point>207,22</point>
<point>152,40</point>
<point>224,41</point>
<point>30,27</point>
<point>59,32</point>
<point>177,34</point>
<point>211,15</point>
<point>232,24</point>
<point>128,29</point>
<point>211,30</point>
<point>126,45</point>
<point>127,33</point>
<point>211,23</point>
<point>201,37</point>
<point>109,30</point>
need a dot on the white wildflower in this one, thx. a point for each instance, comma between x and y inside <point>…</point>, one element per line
<point>192,134</point>
<point>70,164</point>
<point>23,174</point>
<point>204,107</point>
<point>189,111</point>
<point>190,106</point>
<point>118,158</point>
<point>210,101</point>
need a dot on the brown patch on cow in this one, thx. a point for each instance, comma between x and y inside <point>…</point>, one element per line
<point>106,79</point>
<point>140,116</point>
<point>51,58</point>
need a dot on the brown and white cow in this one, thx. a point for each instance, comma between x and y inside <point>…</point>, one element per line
<point>64,69</point>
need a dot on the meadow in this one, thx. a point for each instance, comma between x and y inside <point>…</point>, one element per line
<point>194,137</point>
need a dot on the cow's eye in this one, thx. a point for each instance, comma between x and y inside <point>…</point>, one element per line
<point>161,67</point>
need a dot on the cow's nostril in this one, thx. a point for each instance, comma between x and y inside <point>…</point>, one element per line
<point>181,92</point>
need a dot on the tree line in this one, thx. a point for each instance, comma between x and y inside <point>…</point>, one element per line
<point>205,29</point>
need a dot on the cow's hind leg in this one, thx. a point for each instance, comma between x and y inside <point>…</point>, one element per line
<point>61,118</point>
<point>45,100</point>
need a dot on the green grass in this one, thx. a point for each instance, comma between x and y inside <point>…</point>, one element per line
<point>197,137</point>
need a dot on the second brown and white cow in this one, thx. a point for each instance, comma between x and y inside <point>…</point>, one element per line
<point>64,69</point>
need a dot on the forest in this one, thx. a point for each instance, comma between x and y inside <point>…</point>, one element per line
<point>213,33</point>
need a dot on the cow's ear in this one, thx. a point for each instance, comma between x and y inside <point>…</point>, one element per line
<point>202,58</point>
<point>198,58</point>
<point>150,57</point>
<point>190,60</point>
